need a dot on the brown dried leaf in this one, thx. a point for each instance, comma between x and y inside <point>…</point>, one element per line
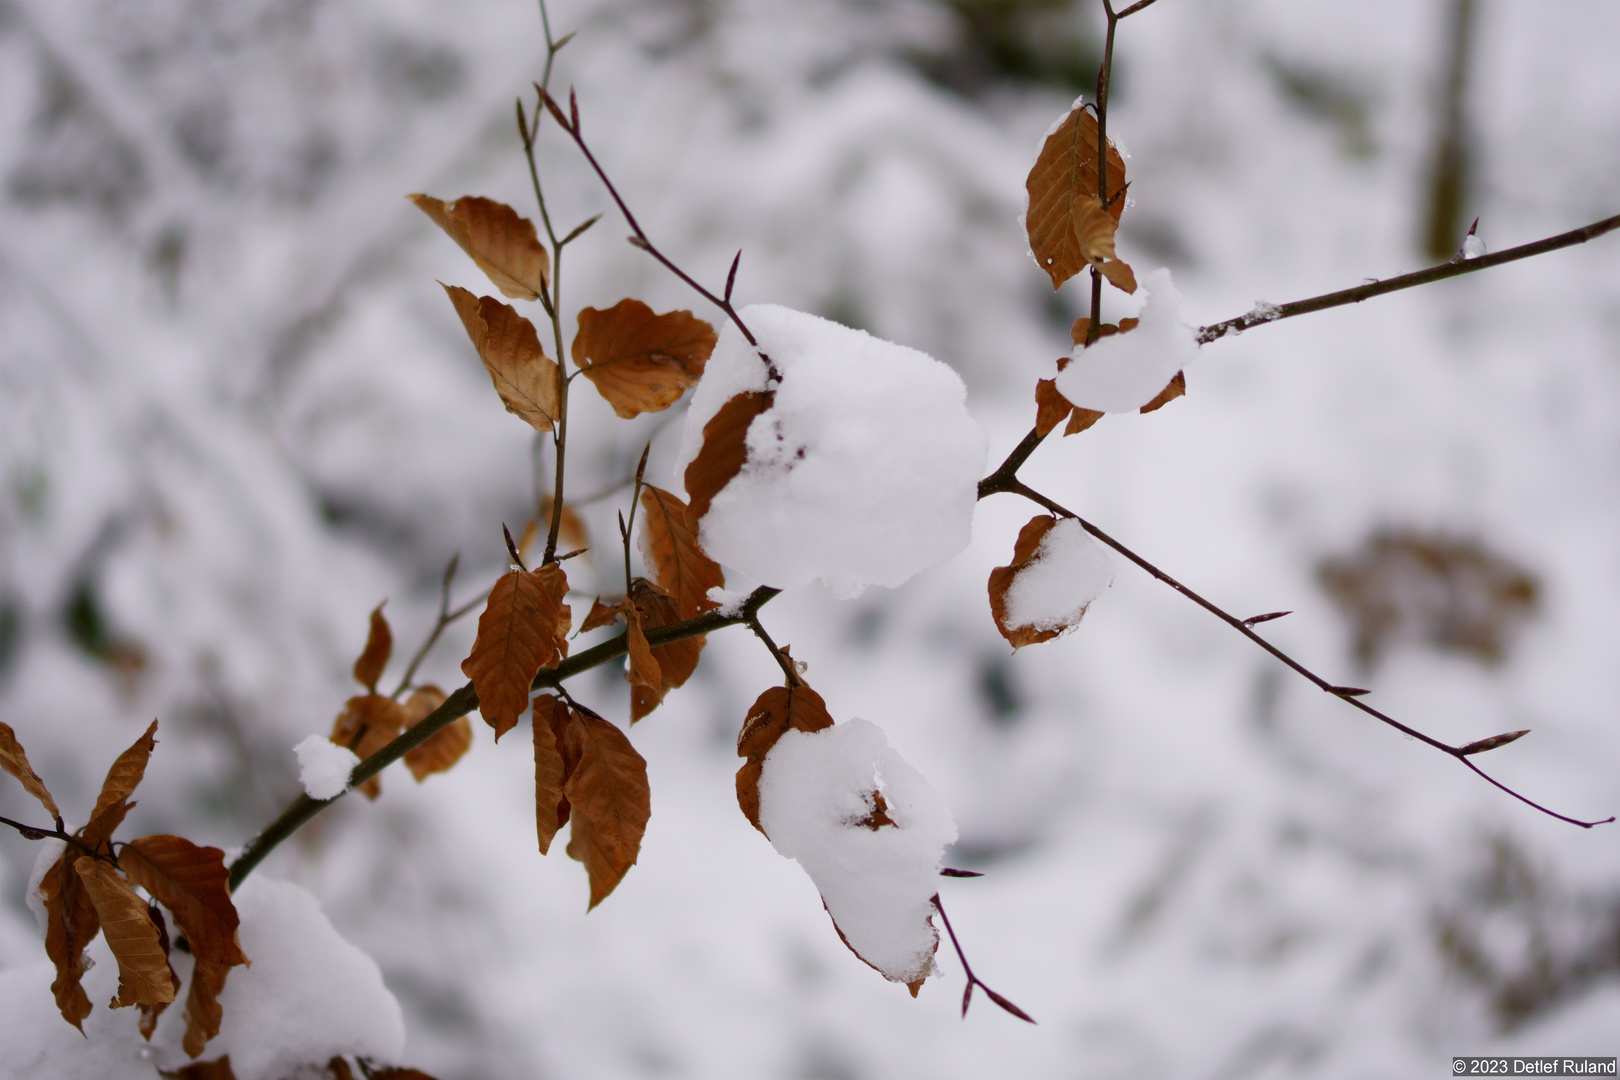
<point>1081,419</point>
<point>122,780</point>
<point>1001,578</point>
<point>1082,326</point>
<point>368,723</point>
<point>724,449</point>
<point>675,661</point>
<point>1118,273</point>
<point>219,1069</point>
<point>194,884</point>
<point>524,376</point>
<point>601,615</point>
<point>550,804</point>
<point>151,1013</point>
<point>523,629</point>
<point>1050,406</point>
<point>203,1013</point>
<point>672,553</point>
<point>71,923</point>
<point>143,969</point>
<point>444,747</point>
<point>1063,197</point>
<point>775,712</point>
<point>15,762</point>
<point>607,791</point>
<point>645,678</point>
<point>1176,387</point>
<point>639,361</point>
<point>501,242</point>
<point>379,644</point>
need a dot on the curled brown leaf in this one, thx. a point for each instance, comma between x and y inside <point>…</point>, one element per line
<point>774,713</point>
<point>444,747</point>
<point>526,379</point>
<point>523,629</point>
<point>379,644</point>
<point>724,450</point>
<point>1001,579</point>
<point>193,882</point>
<point>671,551</point>
<point>610,802</point>
<point>14,761</point>
<point>71,923</point>
<point>1063,197</point>
<point>368,723</point>
<point>122,779</point>
<point>143,967</point>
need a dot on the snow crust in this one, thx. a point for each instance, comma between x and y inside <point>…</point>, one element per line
<point>1070,570</point>
<point>309,995</point>
<point>864,471</point>
<point>815,791</point>
<point>1123,372</point>
<point>324,767</point>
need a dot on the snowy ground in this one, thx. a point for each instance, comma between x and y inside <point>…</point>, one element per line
<point>236,412</point>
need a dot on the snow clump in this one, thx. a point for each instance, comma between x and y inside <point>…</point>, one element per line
<point>324,767</point>
<point>1069,571</point>
<point>864,471</point>
<point>307,997</point>
<point>1123,372</point>
<point>817,805</point>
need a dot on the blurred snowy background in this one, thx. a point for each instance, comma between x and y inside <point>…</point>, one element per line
<point>236,412</point>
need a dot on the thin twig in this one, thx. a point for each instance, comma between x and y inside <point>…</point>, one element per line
<point>1349,694</point>
<point>640,239</point>
<point>626,527</point>
<point>59,832</point>
<point>444,620</point>
<point>463,701</point>
<point>972,979</point>
<point>782,660</point>
<point>1215,331</point>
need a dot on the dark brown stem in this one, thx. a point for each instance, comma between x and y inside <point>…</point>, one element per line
<point>58,832</point>
<point>972,979</point>
<point>445,619</point>
<point>782,659</point>
<point>463,701</point>
<point>1349,694</point>
<point>1215,331</point>
<point>1007,472</point>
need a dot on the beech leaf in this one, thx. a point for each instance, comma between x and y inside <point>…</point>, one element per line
<point>502,243</point>
<point>151,1013</point>
<point>1118,273</point>
<point>775,712</point>
<point>379,644</point>
<point>601,615</point>
<point>218,1069</point>
<point>550,805</point>
<point>1050,406</point>
<point>1080,420</point>
<point>203,1013</point>
<point>609,799</point>
<point>143,968</point>
<point>122,780</point>
<point>15,762</point>
<point>444,747</point>
<point>724,449</point>
<point>640,361</point>
<point>1001,578</point>
<point>368,723</point>
<point>645,678</point>
<point>523,629</point>
<point>1176,387</point>
<point>672,664</point>
<point>1063,221</point>
<point>194,884</point>
<point>671,552</point>
<point>71,923</point>
<point>524,376</point>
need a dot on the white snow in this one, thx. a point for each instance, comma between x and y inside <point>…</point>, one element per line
<point>49,852</point>
<point>309,995</point>
<point>324,767</point>
<point>1069,572</point>
<point>730,600</point>
<point>1123,372</point>
<point>1472,246</point>
<point>865,470</point>
<point>814,792</point>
